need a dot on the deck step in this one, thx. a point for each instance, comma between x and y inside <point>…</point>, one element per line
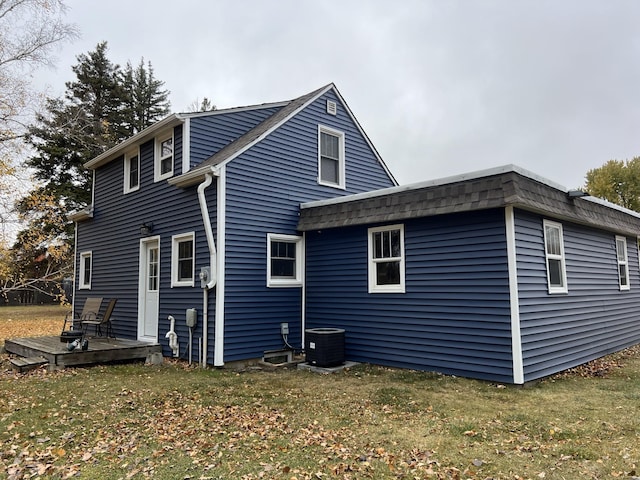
<point>24,364</point>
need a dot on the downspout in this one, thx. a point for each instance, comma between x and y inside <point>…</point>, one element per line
<point>221,222</point>
<point>211,281</point>
<point>75,268</point>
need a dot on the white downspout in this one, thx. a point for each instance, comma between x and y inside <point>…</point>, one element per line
<point>206,220</point>
<point>218,348</point>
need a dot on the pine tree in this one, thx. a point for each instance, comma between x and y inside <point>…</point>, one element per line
<point>101,107</point>
<point>144,100</point>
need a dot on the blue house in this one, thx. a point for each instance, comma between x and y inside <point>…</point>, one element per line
<point>233,222</point>
<point>498,275</point>
<point>199,211</point>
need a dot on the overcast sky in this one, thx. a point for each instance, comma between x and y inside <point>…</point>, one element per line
<point>441,87</point>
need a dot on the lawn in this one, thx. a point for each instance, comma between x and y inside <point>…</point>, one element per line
<point>179,422</point>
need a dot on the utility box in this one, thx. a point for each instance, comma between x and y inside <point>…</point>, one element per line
<point>324,347</point>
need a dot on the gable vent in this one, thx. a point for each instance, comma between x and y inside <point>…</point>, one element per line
<point>332,108</point>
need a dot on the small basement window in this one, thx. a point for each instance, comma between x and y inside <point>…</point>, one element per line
<point>623,263</point>
<point>554,252</point>
<point>284,260</point>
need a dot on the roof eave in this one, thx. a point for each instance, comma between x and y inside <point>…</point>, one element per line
<point>140,137</point>
<point>80,215</point>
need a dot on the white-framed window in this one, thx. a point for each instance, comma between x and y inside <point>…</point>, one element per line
<point>554,253</point>
<point>132,171</point>
<point>164,157</point>
<point>284,260</point>
<point>623,262</point>
<point>183,260</point>
<point>86,267</point>
<point>331,169</point>
<point>386,259</point>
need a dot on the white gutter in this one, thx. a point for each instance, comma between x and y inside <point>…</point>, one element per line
<point>211,281</point>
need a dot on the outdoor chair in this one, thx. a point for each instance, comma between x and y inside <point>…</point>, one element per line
<point>72,327</point>
<point>101,320</point>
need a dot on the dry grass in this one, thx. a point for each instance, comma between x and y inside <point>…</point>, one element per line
<point>176,422</point>
<point>31,321</point>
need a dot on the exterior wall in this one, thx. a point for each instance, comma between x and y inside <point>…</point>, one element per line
<point>454,317</point>
<point>594,318</point>
<point>113,236</point>
<point>213,132</point>
<point>265,186</point>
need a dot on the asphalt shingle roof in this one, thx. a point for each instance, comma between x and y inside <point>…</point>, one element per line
<point>510,186</point>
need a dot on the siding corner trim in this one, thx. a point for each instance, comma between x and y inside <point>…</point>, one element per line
<point>516,339</point>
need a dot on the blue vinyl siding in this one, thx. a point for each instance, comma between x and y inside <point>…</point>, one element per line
<point>265,187</point>
<point>454,317</point>
<point>113,235</point>
<point>211,133</point>
<point>594,318</point>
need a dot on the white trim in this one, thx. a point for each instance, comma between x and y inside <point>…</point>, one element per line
<point>341,156</point>
<point>157,159</point>
<point>83,284</point>
<point>371,263</point>
<point>186,145</point>
<point>553,289</point>
<point>127,170</point>
<point>512,262</point>
<point>175,241</point>
<point>625,262</point>
<point>75,269</point>
<point>218,347</point>
<point>286,282</point>
<point>303,293</point>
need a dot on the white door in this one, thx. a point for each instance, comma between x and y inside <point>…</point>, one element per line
<point>148,290</point>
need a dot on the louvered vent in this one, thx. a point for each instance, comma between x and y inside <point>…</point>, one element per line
<point>332,108</point>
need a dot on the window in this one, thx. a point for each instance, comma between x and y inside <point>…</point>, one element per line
<point>386,259</point>
<point>284,260</point>
<point>164,157</point>
<point>85,270</point>
<point>182,260</point>
<point>623,264</point>
<point>330,157</point>
<point>131,171</point>
<point>554,252</point>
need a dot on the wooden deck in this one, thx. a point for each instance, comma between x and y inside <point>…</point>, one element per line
<point>101,350</point>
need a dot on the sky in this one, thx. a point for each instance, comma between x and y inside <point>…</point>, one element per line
<point>440,87</point>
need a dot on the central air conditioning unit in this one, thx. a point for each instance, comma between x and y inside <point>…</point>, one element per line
<point>324,347</point>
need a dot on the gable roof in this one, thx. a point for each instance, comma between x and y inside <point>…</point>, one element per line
<point>169,121</point>
<point>495,188</point>
<point>261,131</point>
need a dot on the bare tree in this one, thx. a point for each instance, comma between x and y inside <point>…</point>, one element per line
<point>29,32</point>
